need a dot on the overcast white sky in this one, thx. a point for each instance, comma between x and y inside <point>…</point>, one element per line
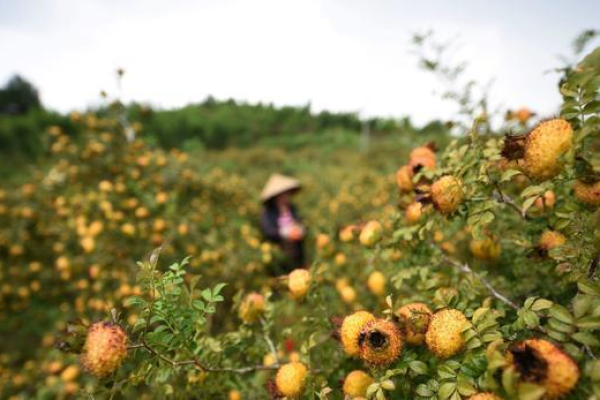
<point>341,55</point>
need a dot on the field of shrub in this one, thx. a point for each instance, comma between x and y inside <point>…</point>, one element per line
<point>441,266</point>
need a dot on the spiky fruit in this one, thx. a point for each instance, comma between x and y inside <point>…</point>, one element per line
<point>414,321</point>
<point>551,240</point>
<point>350,330</point>
<point>487,248</point>
<point>299,283</point>
<point>376,283</point>
<point>105,349</point>
<point>447,194</point>
<point>404,178</point>
<point>544,147</point>
<point>414,212</point>
<point>485,396</point>
<point>370,233</point>
<point>356,384</point>
<point>542,362</point>
<point>444,335</point>
<point>588,193</point>
<point>291,379</point>
<point>422,157</point>
<point>380,342</point>
<point>545,202</point>
<point>252,307</point>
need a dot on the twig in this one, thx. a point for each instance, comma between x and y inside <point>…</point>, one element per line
<point>506,199</point>
<point>464,268</point>
<point>243,370</point>
<point>269,341</point>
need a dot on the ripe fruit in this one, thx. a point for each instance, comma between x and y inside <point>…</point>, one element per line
<point>485,396</point>
<point>542,362</point>
<point>486,249</point>
<point>444,335</point>
<point>350,330</point>
<point>371,233</point>
<point>404,178</point>
<point>414,212</point>
<point>544,146</point>
<point>347,233</point>
<point>380,342</point>
<point>252,307</point>
<point>234,395</point>
<point>447,194</point>
<point>551,239</point>
<point>422,157</point>
<point>291,378</point>
<point>299,283</point>
<point>356,384</point>
<point>348,294</point>
<point>588,193</point>
<point>376,283</point>
<point>105,349</point>
<point>414,321</point>
<point>323,243</point>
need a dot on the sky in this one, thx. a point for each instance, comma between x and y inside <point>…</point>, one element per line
<point>339,55</point>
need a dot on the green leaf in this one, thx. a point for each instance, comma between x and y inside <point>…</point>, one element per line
<point>446,390</point>
<point>509,173</point>
<point>589,323</point>
<point>588,287</point>
<point>586,338</point>
<point>561,313</point>
<point>541,304</point>
<point>530,391</point>
<point>419,367</point>
<point>531,319</point>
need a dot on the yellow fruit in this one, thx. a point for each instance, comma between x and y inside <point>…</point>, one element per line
<point>350,330</point>
<point>444,335</point>
<point>487,249</point>
<point>551,239</point>
<point>340,259</point>
<point>269,359</point>
<point>348,294</point>
<point>291,379</point>
<point>447,194</point>
<point>544,146</point>
<point>414,212</point>
<point>371,233</point>
<point>252,307</point>
<point>323,243</point>
<point>485,396</point>
<point>523,115</point>
<point>404,178</point>
<point>380,342</point>
<point>542,362</point>
<point>299,283</point>
<point>347,233</point>
<point>588,193</point>
<point>376,283</point>
<point>234,395</point>
<point>105,349</point>
<point>294,356</point>
<point>356,384</point>
<point>414,321</point>
<point>70,373</point>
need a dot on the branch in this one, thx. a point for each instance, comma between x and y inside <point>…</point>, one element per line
<point>243,370</point>
<point>464,268</point>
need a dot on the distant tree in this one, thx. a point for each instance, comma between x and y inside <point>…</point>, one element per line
<point>18,96</point>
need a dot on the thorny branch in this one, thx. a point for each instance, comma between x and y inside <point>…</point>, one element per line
<point>242,370</point>
<point>464,268</point>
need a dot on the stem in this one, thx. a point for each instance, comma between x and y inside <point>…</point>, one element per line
<point>464,268</point>
<point>243,370</point>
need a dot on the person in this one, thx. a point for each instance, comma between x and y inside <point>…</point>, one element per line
<point>280,221</point>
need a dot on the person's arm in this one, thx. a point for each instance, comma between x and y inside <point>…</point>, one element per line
<point>269,227</point>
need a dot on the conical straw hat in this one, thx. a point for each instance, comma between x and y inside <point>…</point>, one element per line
<point>278,184</point>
